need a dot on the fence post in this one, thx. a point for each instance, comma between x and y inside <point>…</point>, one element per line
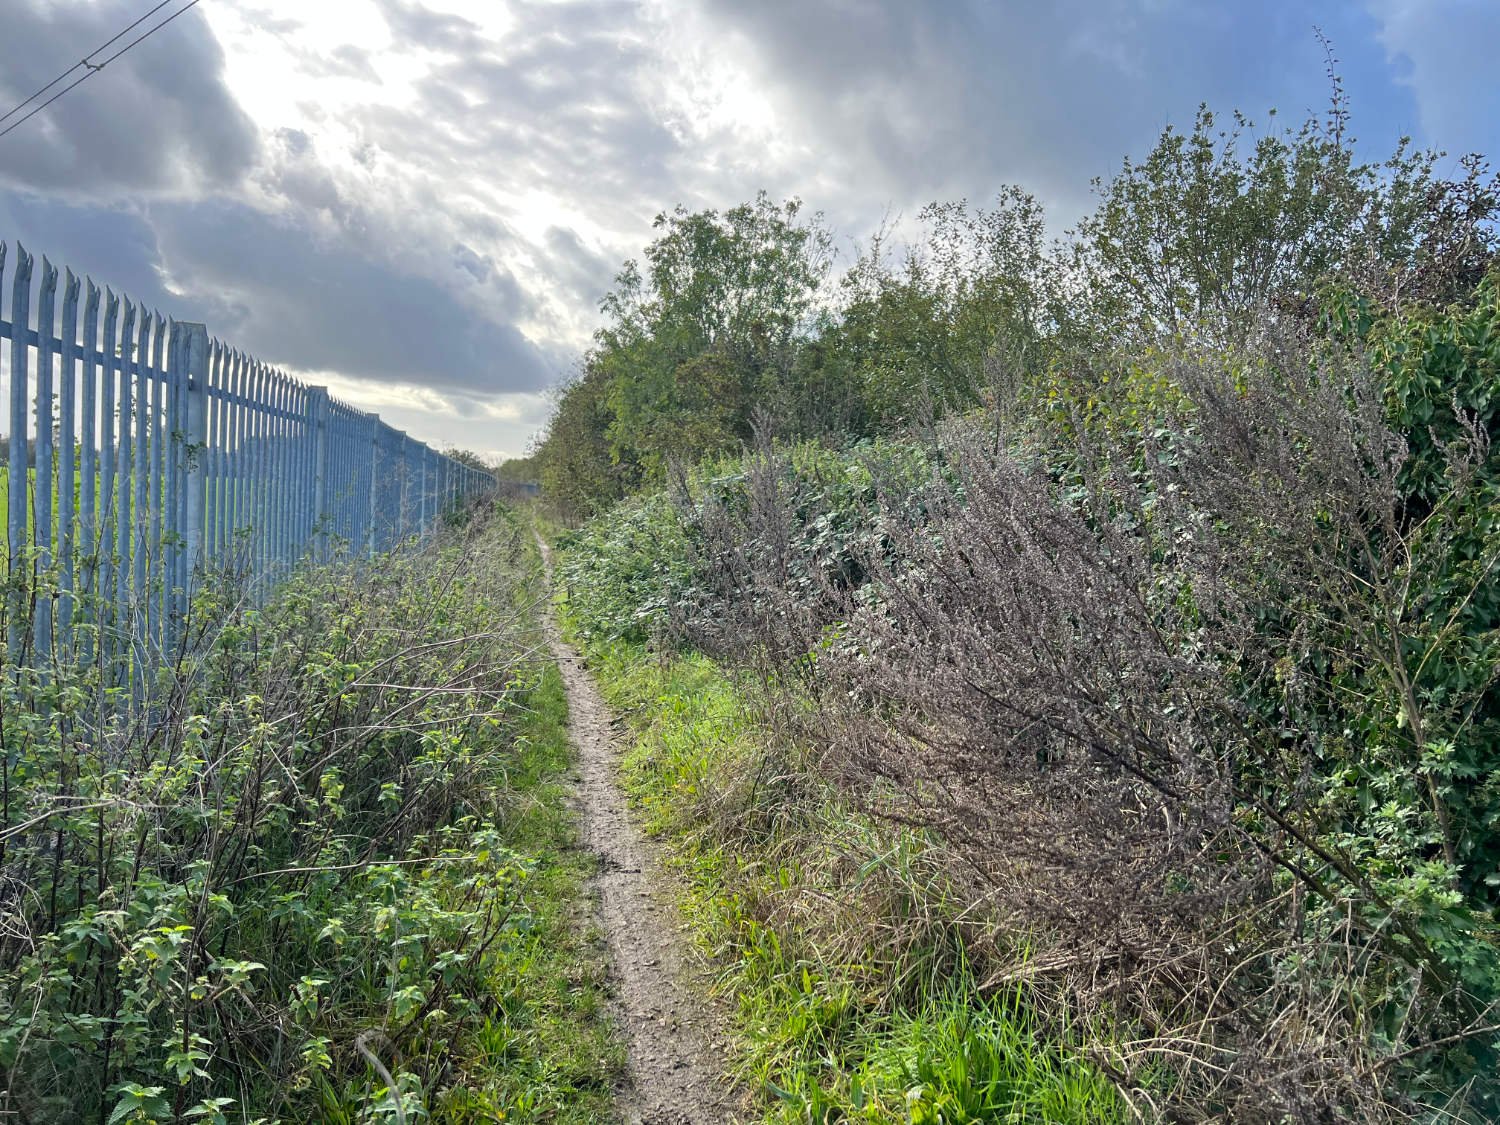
<point>156,579</point>
<point>16,466</point>
<point>215,442</point>
<point>317,413</point>
<point>403,502</point>
<point>124,462</point>
<point>434,497</point>
<point>374,480</point>
<point>423,457</point>
<point>41,626</point>
<point>174,510</point>
<point>88,468</point>
<point>196,426</point>
<point>67,446</point>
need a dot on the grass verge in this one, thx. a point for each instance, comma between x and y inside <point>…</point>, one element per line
<point>838,940</point>
<point>551,1053</point>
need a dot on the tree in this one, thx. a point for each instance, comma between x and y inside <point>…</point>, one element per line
<point>690,347</point>
<point>520,469</point>
<point>1200,235</point>
<point>574,464</point>
<point>934,330</point>
<point>470,458</point>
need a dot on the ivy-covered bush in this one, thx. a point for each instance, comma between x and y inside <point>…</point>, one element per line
<point>626,570</point>
<point>778,534</point>
<point>1441,376</point>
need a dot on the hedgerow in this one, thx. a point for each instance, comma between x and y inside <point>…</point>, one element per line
<point>1193,671</point>
<point>307,880</point>
<point>1154,575</point>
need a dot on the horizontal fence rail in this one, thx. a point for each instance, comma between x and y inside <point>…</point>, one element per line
<point>143,456</point>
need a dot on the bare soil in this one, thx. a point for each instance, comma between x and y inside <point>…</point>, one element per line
<point>672,1031</point>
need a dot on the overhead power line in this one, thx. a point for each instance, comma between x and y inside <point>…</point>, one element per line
<point>84,61</point>
<point>92,68</point>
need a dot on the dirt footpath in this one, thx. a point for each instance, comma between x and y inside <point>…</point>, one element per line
<point>671,1030</point>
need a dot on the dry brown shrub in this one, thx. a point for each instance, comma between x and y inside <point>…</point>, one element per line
<point>1061,664</point>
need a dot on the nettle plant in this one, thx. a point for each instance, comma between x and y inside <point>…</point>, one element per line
<point>274,891</point>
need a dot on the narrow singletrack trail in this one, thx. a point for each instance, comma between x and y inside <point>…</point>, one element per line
<point>671,1031</point>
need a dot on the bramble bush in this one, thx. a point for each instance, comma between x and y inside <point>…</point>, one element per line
<point>285,882</point>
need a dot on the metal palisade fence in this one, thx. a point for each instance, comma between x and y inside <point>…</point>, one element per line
<point>143,456</point>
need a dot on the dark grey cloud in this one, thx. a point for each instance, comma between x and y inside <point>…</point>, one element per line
<point>281,291</point>
<point>117,248</point>
<point>304,184</point>
<point>481,267</point>
<point>557,104</point>
<point>581,273</point>
<point>294,298</point>
<point>158,119</point>
<point>956,98</point>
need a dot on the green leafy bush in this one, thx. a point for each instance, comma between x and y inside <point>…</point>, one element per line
<point>1166,592</point>
<point>301,856</point>
<point>626,570</point>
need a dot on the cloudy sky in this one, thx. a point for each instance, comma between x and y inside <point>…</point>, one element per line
<point>420,202</point>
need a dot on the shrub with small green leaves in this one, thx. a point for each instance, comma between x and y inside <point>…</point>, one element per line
<point>299,856</point>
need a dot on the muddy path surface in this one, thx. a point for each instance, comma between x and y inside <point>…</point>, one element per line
<point>672,1031</point>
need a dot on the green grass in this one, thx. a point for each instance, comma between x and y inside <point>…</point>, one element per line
<point>77,493</point>
<point>5,509</point>
<point>30,512</point>
<point>850,983</point>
